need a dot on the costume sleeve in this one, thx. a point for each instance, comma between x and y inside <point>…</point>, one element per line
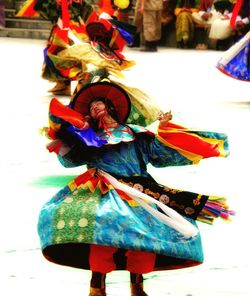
<point>73,158</point>
<point>78,155</point>
<point>159,155</point>
<point>176,145</point>
<point>79,150</point>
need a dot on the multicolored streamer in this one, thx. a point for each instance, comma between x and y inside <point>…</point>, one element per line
<point>194,145</point>
<point>27,10</point>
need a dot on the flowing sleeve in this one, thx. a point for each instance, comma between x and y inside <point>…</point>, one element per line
<point>175,145</point>
<point>158,154</point>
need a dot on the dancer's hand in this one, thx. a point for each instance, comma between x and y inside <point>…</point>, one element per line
<point>206,15</point>
<point>86,124</point>
<point>164,118</point>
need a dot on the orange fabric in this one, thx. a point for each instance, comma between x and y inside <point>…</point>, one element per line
<point>59,110</point>
<point>27,10</point>
<point>105,6</point>
<point>93,181</point>
<point>178,10</point>
<point>178,136</point>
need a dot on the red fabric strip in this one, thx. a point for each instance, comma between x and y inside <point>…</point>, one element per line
<point>235,12</point>
<point>65,14</point>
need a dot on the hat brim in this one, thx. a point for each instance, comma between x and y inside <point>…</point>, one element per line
<point>106,91</point>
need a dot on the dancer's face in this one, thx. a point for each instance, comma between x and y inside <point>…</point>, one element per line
<point>97,109</point>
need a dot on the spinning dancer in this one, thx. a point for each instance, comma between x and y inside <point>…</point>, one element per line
<point>235,62</point>
<point>115,216</point>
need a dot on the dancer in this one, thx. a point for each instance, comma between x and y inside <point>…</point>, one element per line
<point>184,23</point>
<point>82,35</point>
<point>65,16</point>
<point>115,216</point>
<point>235,62</point>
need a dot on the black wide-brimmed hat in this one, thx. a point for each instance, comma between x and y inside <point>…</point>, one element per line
<point>106,91</point>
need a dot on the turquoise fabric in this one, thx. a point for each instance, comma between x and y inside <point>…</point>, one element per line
<point>131,158</point>
<point>84,217</point>
<point>78,216</point>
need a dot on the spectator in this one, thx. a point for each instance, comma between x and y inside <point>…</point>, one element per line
<point>204,17</point>
<point>221,31</point>
<point>148,22</point>
<point>2,14</point>
<point>167,19</point>
<point>240,20</point>
<point>184,23</point>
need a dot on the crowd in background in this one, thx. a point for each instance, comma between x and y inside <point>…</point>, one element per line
<point>199,24</point>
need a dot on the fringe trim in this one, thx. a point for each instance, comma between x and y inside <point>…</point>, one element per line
<point>215,207</point>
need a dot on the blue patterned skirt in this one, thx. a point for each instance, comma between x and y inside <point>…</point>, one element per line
<point>83,213</point>
<point>236,60</point>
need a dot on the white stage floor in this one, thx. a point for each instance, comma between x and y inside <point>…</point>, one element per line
<point>185,81</point>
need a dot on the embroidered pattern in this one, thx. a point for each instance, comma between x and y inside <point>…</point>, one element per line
<point>186,203</point>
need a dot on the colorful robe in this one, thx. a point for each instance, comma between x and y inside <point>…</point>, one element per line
<point>95,208</point>
<point>235,62</point>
